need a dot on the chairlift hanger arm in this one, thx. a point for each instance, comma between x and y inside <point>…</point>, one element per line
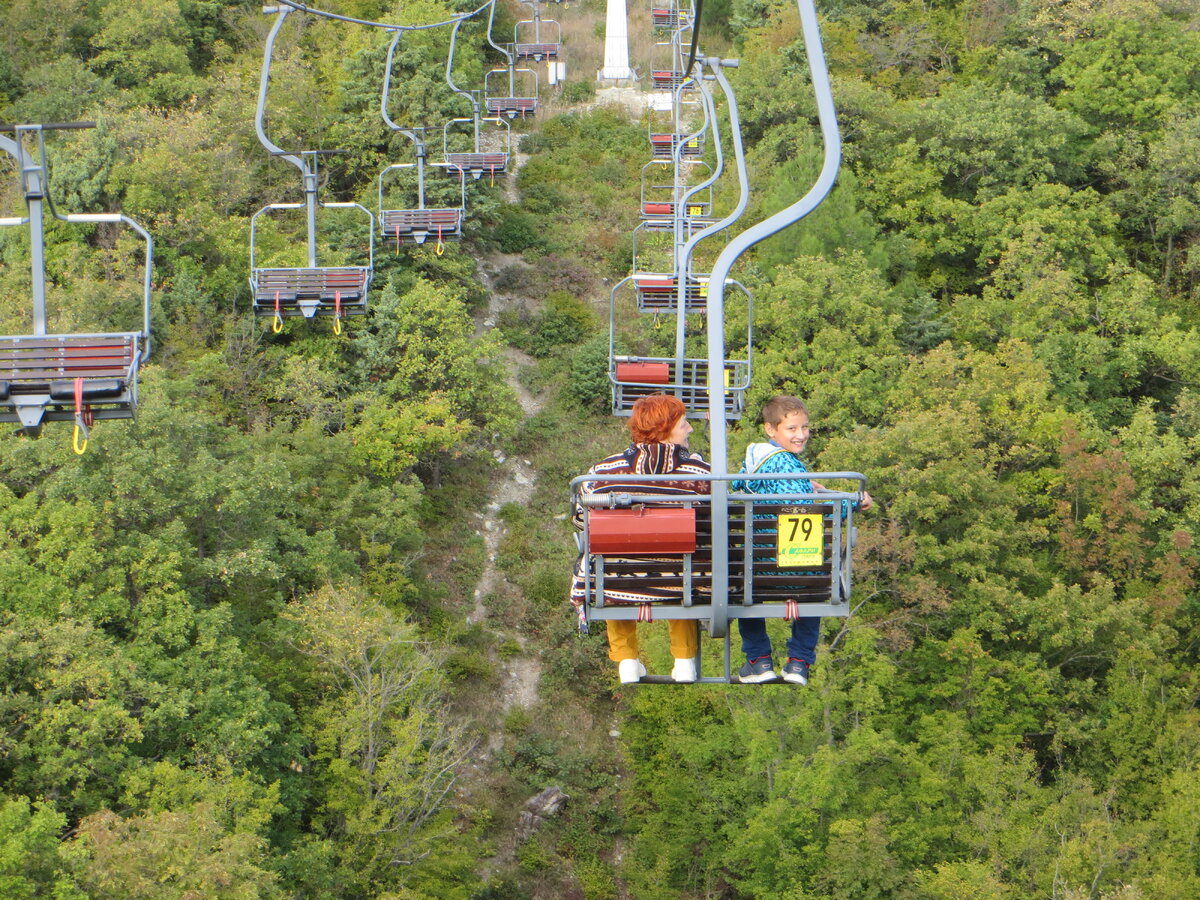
<point>410,133</point>
<point>450,71</point>
<point>491,22</point>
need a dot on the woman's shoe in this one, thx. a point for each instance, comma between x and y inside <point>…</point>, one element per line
<point>684,671</point>
<point>630,671</point>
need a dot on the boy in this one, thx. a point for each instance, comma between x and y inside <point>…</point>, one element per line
<point>785,419</point>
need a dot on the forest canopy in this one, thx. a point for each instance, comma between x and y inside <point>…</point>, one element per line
<point>238,655</point>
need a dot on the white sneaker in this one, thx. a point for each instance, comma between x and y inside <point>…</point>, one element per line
<point>684,671</point>
<point>630,671</point>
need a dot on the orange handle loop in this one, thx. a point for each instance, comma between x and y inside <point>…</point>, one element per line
<point>80,427</point>
<point>337,312</point>
<point>277,322</point>
<point>441,248</point>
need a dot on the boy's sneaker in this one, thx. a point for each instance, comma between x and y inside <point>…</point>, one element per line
<point>796,671</point>
<point>756,671</point>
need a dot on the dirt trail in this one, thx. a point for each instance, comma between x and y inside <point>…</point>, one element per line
<point>513,482</point>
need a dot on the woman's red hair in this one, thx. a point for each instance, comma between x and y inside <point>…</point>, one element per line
<point>654,418</point>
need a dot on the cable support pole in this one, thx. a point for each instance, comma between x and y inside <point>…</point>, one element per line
<point>827,117</point>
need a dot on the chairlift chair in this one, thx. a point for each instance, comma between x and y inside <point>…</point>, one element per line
<point>415,225</point>
<point>474,161</point>
<point>282,292</point>
<point>542,46</point>
<point>670,17</point>
<point>501,102</point>
<point>663,146</point>
<point>784,555</point>
<point>76,377</point>
<point>311,290</point>
<point>633,377</point>
<point>420,224</point>
<point>659,201</point>
<point>733,563</point>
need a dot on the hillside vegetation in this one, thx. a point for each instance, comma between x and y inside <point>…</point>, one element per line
<point>239,655</point>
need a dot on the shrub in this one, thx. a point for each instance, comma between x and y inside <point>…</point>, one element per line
<point>579,91</point>
<point>588,385</point>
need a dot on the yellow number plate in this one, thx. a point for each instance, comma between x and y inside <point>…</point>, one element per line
<point>801,541</point>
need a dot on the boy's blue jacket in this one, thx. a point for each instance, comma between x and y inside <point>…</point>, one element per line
<point>770,458</point>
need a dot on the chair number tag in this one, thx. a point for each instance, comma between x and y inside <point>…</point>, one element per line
<point>801,540</point>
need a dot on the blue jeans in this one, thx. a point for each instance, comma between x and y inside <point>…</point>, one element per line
<point>802,644</point>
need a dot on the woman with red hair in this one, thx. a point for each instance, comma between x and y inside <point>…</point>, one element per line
<point>660,430</point>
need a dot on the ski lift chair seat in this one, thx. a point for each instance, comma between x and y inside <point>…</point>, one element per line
<point>660,293</point>
<point>475,164</point>
<point>632,378</point>
<point>512,106</point>
<point>418,225</point>
<point>45,377</point>
<point>537,52</point>
<point>308,292</point>
<point>662,555</point>
<point>664,146</point>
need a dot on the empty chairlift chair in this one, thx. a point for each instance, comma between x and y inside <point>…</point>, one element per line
<point>511,92</point>
<point>469,149</point>
<point>311,290</point>
<point>542,37</point>
<point>670,17</point>
<point>75,377</point>
<point>409,224</point>
<point>463,153</point>
<point>686,377</point>
<point>660,199</point>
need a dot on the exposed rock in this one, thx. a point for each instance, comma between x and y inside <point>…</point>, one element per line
<point>548,803</point>
<point>538,808</point>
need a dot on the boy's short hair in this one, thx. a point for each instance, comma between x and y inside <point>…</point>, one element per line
<point>780,407</point>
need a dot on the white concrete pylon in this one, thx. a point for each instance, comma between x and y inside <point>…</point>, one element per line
<point>616,43</point>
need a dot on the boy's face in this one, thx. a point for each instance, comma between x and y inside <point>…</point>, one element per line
<point>792,433</point>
